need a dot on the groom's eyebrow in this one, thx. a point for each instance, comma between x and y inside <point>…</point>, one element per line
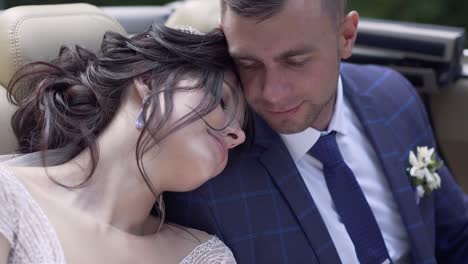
<point>242,56</point>
<point>300,50</point>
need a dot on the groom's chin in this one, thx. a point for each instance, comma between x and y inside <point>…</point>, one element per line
<point>288,126</point>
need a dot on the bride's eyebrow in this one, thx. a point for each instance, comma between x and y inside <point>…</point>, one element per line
<point>230,85</point>
<point>230,89</point>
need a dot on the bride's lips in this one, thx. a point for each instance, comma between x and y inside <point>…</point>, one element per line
<point>222,148</point>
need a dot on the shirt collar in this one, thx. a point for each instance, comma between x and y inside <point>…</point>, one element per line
<point>299,143</point>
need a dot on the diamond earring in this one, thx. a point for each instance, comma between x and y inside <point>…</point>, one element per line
<point>140,122</point>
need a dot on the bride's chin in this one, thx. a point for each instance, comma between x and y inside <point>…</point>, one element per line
<point>220,168</point>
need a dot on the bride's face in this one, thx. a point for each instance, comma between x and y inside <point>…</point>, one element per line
<point>198,151</point>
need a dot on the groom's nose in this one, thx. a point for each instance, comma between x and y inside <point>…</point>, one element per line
<point>275,86</point>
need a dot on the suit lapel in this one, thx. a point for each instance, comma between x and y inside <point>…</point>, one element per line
<point>282,169</point>
<point>381,135</point>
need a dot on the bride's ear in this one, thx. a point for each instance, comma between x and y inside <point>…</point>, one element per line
<point>141,87</point>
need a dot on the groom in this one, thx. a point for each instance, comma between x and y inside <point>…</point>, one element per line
<point>325,179</point>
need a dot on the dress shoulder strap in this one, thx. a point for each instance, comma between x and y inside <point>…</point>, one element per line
<point>211,251</point>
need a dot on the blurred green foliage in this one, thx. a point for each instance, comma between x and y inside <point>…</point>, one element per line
<point>443,12</point>
<point>10,3</point>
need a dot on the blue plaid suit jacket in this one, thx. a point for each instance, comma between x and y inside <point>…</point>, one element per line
<point>263,211</point>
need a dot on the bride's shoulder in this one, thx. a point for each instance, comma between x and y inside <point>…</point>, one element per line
<point>19,191</point>
<point>9,183</point>
<point>211,251</point>
<point>198,246</point>
<point>12,204</point>
<point>14,192</point>
<point>188,235</point>
<point>17,181</point>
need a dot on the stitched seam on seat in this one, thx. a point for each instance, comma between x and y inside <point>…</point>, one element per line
<point>14,34</point>
<point>13,43</point>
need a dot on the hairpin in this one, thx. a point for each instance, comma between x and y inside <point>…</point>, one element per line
<point>188,30</point>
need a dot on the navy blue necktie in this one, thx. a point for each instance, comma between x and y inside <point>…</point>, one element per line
<point>350,202</point>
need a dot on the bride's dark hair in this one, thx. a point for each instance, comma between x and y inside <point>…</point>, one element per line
<point>72,99</point>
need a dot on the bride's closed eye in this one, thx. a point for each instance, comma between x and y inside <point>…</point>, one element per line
<point>226,99</point>
<point>223,104</point>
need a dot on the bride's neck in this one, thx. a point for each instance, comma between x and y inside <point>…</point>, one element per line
<point>115,194</point>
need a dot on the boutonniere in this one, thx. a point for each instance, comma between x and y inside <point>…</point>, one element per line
<point>423,171</point>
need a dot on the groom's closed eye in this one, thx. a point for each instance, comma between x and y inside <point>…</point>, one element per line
<point>246,63</point>
<point>245,60</point>
<point>297,61</point>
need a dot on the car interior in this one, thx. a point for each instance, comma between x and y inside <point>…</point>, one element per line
<point>431,57</point>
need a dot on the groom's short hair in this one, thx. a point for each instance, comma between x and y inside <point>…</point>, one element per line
<point>264,9</point>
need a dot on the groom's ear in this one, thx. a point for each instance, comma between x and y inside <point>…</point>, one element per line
<point>347,34</point>
<point>141,86</point>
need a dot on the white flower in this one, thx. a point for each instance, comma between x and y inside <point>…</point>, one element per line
<point>423,171</point>
<point>423,158</point>
<point>417,172</point>
<point>420,191</point>
<point>413,160</point>
<point>434,182</point>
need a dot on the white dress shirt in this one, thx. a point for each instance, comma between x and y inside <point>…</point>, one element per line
<point>361,158</point>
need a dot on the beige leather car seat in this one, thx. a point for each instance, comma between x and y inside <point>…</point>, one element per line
<point>7,138</point>
<point>32,33</point>
<point>203,15</point>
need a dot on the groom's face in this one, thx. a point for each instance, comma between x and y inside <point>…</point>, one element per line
<point>288,63</point>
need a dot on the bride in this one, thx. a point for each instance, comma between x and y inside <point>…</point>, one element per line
<point>104,136</point>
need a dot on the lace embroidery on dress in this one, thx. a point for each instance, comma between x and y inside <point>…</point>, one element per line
<point>32,238</point>
<point>213,251</point>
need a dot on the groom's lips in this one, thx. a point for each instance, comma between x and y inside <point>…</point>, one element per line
<point>286,111</point>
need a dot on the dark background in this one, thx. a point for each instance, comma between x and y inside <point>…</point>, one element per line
<point>443,12</point>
